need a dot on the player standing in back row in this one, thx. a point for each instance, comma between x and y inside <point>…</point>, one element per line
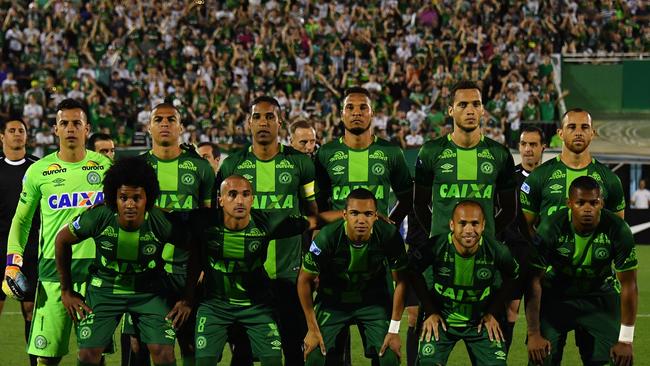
<point>282,179</point>
<point>64,183</point>
<point>186,183</point>
<point>359,159</point>
<point>13,166</point>
<point>464,165</point>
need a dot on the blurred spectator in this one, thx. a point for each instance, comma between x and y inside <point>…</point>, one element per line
<point>641,197</point>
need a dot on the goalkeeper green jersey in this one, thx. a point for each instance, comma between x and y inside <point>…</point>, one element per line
<point>463,287</point>
<point>63,190</point>
<point>454,173</point>
<point>186,184</point>
<point>581,265</point>
<point>378,168</point>
<point>126,262</point>
<point>547,188</point>
<point>278,186</point>
<point>355,273</point>
<point>233,259</point>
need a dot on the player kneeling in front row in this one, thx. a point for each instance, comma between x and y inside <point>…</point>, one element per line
<point>574,286</point>
<point>234,242</point>
<point>350,257</point>
<point>472,280</point>
<point>129,234</point>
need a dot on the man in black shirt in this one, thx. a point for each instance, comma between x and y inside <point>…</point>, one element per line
<point>515,236</point>
<point>13,165</point>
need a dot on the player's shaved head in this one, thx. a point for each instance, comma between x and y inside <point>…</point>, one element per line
<point>468,203</point>
<point>236,198</point>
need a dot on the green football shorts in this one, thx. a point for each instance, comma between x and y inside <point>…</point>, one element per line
<point>147,310</point>
<point>215,316</point>
<point>481,350</point>
<point>51,325</point>
<point>372,321</point>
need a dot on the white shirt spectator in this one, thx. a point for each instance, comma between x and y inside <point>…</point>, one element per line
<point>640,199</point>
<point>414,140</point>
<point>143,117</point>
<point>380,121</point>
<point>42,140</point>
<point>415,117</point>
<point>33,113</point>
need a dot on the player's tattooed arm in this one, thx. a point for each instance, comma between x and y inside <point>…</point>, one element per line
<point>72,301</point>
<point>538,346</point>
<point>421,202</point>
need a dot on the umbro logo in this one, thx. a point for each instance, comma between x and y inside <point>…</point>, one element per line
<point>338,170</point>
<point>447,168</point>
<point>556,188</point>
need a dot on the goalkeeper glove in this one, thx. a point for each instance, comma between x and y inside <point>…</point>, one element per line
<point>15,283</point>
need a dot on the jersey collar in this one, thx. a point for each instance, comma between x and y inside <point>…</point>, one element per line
<point>14,162</point>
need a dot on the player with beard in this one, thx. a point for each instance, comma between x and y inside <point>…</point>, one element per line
<point>282,180</point>
<point>546,189</point>
<point>360,159</point>
<point>531,148</point>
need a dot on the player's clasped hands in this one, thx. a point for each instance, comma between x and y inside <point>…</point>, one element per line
<point>75,306</point>
<point>312,340</point>
<point>430,327</point>
<point>621,354</point>
<point>492,326</point>
<point>179,313</point>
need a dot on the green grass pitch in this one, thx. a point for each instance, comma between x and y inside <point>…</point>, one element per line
<point>12,346</point>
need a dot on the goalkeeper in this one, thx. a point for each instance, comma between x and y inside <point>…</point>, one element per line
<point>64,183</point>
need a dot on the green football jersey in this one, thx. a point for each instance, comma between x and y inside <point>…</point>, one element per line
<point>463,287</point>
<point>576,265</point>
<point>63,190</point>
<point>547,188</point>
<point>341,169</point>
<point>185,184</point>
<point>455,173</point>
<point>355,273</point>
<point>278,186</point>
<point>126,262</point>
<point>233,261</point>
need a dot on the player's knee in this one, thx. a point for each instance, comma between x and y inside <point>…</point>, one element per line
<point>135,344</point>
<point>48,361</point>
<point>91,356</point>
<point>162,353</point>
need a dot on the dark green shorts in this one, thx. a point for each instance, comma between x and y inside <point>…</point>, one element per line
<point>481,350</point>
<point>372,321</point>
<point>595,319</point>
<point>148,312</point>
<point>215,316</point>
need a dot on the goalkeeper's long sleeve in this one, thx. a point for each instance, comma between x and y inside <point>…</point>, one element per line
<point>22,221</point>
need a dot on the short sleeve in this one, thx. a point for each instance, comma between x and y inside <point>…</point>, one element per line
<point>89,223</point>
<point>307,178</point>
<point>317,253</point>
<point>624,251</point>
<point>206,188</point>
<point>615,197</point>
<point>506,178</point>
<point>400,176</point>
<point>424,171</point>
<point>530,193</point>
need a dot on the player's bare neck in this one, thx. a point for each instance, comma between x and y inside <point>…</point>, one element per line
<point>14,155</point>
<point>359,239</point>
<point>166,152</point>
<point>130,225</point>
<point>265,152</point>
<point>234,223</point>
<point>529,167</point>
<point>585,230</point>
<point>358,142</point>
<point>74,155</point>
<point>575,161</point>
<point>464,139</point>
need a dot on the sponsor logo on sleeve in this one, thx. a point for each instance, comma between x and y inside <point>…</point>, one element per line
<point>314,248</point>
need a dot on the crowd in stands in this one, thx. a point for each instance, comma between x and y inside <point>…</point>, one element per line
<point>212,57</point>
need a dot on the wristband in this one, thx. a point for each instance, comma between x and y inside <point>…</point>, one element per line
<point>14,259</point>
<point>627,334</point>
<point>394,327</point>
